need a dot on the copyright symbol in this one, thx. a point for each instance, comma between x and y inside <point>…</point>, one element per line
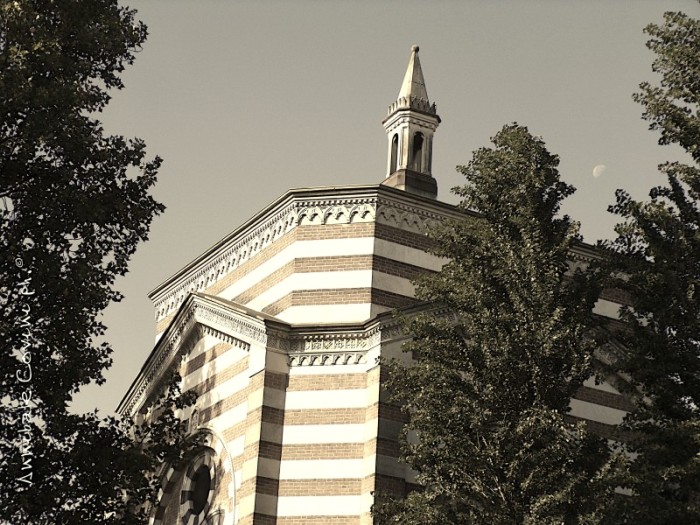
<point>19,262</point>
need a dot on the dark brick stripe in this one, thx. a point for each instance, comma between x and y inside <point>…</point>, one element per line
<point>320,487</point>
<point>606,399</point>
<point>339,296</point>
<point>403,237</point>
<point>397,268</point>
<point>616,296</point>
<point>599,429</point>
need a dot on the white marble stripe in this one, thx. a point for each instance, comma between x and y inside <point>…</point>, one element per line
<point>607,308</point>
<point>329,314</point>
<point>311,248</point>
<point>319,506</point>
<point>304,434</point>
<point>393,283</point>
<point>604,386</point>
<point>594,412</point>
<point>311,399</point>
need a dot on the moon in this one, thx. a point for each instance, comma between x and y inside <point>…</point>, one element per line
<point>599,170</point>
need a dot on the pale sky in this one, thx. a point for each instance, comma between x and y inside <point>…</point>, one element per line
<point>245,100</point>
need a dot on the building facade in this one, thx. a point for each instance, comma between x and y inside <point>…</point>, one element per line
<point>279,327</point>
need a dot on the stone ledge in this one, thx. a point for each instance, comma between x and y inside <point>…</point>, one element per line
<point>413,182</point>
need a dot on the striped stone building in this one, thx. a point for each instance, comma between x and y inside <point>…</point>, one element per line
<point>278,328</point>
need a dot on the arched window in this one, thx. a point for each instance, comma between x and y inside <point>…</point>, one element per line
<point>198,488</point>
<point>394,154</point>
<point>417,152</point>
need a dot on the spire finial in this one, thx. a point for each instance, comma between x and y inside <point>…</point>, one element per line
<point>415,48</point>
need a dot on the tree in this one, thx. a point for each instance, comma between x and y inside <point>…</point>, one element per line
<point>105,471</point>
<point>658,252</point>
<point>488,389</point>
<point>75,204</point>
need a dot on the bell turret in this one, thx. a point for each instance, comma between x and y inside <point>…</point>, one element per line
<point>410,127</point>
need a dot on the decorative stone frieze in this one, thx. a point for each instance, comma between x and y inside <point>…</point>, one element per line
<point>231,322</point>
<point>181,339</point>
<point>323,349</point>
<point>610,353</point>
<point>328,359</point>
<point>240,248</point>
<point>332,348</point>
<point>406,219</point>
<point>391,332</point>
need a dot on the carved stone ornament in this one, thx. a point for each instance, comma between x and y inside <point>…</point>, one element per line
<point>199,320</point>
<point>408,218</point>
<point>231,322</point>
<point>250,242</point>
<point>348,348</point>
<point>327,359</point>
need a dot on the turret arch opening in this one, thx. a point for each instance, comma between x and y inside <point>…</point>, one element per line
<point>394,164</point>
<point>417,152</point>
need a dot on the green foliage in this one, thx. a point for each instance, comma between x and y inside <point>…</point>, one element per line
<point>495,366</point>
<point>75,204</point>
<point>103,470</point>
<point>658,251</point>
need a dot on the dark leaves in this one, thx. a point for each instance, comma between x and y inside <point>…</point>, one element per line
<point>75,204</point>
<point>490,381</point>
<point>657,252</point>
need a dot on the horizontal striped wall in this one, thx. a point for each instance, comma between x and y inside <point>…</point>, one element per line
<point>329,443</point>
<point>601,407</point>
<point>318,438</point>
<point>303,259</point>
<point>241,398</point>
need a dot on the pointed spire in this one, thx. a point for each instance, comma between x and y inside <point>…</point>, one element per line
<point>413,94</point>
<point>413,82</point>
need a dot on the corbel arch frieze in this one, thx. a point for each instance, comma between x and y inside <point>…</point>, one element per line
<point>242,248</point>
<point>407,217</point>
<point>328,359</point>
<point>364,212</point>
<point>310,215</point>
<point>336,215</point>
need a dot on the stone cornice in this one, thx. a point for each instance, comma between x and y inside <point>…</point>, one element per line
<point>310,207</point>
<point>199,316</point>
<point>334,346</point>
<point>241,327</point>
<point>343,205</point>
<point>585,253</point>
<point>304,207</point>
<point>416,214</point>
